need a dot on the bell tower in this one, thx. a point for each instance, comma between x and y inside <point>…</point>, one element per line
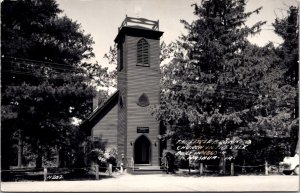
<point>138,43</point>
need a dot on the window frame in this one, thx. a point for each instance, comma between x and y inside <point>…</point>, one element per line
<point>144,54</point>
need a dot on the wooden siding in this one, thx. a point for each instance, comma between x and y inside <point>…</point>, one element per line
<point>107,128</point>
<point>141,79</point>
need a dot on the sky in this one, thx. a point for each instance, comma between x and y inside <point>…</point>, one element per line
<point>101,18</point>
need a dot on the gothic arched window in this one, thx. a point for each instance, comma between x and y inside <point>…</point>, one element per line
<point>143,53</point>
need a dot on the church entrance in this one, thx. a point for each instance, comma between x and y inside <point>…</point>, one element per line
<point>142,150</point>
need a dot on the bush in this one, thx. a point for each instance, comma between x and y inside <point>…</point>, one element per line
<point>104,158</point>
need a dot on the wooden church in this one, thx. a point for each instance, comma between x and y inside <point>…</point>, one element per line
<point>124,120</point>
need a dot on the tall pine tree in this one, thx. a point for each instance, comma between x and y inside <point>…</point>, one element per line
<point>205,92</point>
<point>47,80</point>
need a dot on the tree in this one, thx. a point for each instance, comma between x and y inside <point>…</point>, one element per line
<point>205,93</point>
<point>288,29</point>
<point>272,110</point>
<point>47,78</point>
<point>288,51</point>
<point>205,63</point>
<point>220,86</point>
<point>275,112</point>
<point>112,57</point>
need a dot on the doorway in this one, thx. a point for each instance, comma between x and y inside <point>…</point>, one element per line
<point>142,150</point>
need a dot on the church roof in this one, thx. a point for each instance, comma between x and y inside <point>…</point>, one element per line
<point>100,112</point>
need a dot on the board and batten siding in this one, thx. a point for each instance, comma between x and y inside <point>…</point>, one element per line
<point>106,128</point>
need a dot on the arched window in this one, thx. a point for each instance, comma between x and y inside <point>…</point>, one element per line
<point>143,53</point>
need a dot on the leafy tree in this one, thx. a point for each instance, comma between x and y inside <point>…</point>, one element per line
<point>47,78</point>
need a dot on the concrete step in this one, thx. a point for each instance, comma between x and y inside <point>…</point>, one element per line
<point>145,170</point>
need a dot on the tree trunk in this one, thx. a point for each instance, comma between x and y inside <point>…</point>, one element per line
<point>39,160</point>
<point>222,164</point>
<point>61,155</point>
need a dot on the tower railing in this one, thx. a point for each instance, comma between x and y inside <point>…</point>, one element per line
<point>142,21</point>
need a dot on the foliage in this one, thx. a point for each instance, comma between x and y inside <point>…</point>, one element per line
<point>112,57</point>
<point>102,155</point>
<point>196,80</point>
<point>288,29</point>
<point>217,85</point>
<point>47,78</point>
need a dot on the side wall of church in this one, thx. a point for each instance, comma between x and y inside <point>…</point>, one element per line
<point>106,129</point>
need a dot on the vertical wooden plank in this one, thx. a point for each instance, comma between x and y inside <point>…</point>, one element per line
<point>266,168</point>
<point>201,168</point>
<point>97,172</point>
<point>110,169</point>
<point>45,173</point>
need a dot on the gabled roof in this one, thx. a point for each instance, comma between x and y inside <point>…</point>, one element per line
<point>100,112</point>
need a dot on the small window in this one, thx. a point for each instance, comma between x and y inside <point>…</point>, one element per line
<point>121,56</point>
<point>143,100</point>
<point>143,53</point>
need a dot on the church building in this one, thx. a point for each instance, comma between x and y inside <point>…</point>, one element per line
<point>124,120</point>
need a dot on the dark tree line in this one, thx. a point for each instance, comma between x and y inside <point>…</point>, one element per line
<point>47,81</point>
<point>218,85</point>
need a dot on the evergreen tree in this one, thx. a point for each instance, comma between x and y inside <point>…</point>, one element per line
<point>288,29</point>
<point>288,51</point>
<point>218,85</point>
<point>204,69</point>
<point>47,79</point>
<point>207,91</point>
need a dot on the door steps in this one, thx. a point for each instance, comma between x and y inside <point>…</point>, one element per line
<point>145,170</point>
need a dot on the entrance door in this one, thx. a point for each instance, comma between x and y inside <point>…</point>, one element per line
<point>142,150</point>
